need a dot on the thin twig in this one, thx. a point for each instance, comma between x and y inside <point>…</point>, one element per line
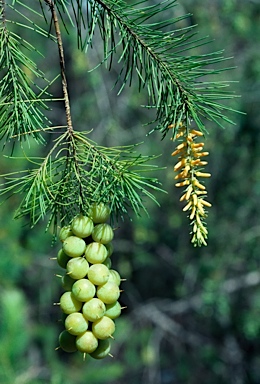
<point>62,64</point>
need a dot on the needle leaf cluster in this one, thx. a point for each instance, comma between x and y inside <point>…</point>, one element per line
<point>22,100</point>
<point>148,41</point>
<point>76,173</point>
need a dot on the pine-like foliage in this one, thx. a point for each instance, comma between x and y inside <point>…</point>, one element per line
<point>156,51</point>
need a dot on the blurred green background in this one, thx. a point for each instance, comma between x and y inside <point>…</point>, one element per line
<point>192,314</point>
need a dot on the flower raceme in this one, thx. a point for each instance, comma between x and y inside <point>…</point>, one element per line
<point>189,167</point>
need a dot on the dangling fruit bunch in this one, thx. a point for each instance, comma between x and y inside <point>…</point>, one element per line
<point>90,301</point>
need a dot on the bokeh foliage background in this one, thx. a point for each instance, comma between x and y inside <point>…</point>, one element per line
<point>192,314</point>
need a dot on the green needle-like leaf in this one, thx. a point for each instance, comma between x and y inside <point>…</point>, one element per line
<point>159,53</point>
<point>59,185</point>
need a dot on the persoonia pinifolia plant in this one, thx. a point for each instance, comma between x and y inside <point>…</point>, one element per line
<point>76,174</point>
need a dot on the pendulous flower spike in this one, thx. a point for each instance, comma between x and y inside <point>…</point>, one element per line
<point>188,168</point>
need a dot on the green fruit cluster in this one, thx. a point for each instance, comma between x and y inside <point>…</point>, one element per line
<point>90,301</point>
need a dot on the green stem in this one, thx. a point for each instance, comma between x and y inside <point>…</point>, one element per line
<point>62,64</point>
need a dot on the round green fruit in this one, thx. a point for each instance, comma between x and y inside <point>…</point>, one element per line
<point>98,274</point>
<point>110,249</point>
<point>102,350</point>
<point>114,277</point>
<point>93,309</point>
<point>113,311</point>
<point>83,290</point>
<point>76,324</point>
<point>73,246</point>
<point>69,304</point>
<point>62,258</point>
<point>67,282</point>
<point>65,232</point>
<point>82,226</point>
<point>77,268</point>
<point>108,293</point>
<point>103,233</point>
<point>103,328</point>
<point>67,342</point>
<point>63,318</point>
<point>107,262</point>
<point>95,253</point>
<point>99,213</point>
<point>86,342</point>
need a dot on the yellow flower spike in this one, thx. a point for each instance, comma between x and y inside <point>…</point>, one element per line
<point>179,135</point>
<point>201,192</point>
<point>204,230</point>
<point>196,149</point>
<point>201,154</point>
<point>195,162</point>
<point>195,199</point>
<point>198,239</point>
<point>196,133</point>
<point>187,206</point>
<point>197,145</point>
<point>176,152</point>
<point>181,146</point>
<point>188,193</point>
<point>200,208</point>
<point>206,203</point>
<point>180,164</point>
<point>183,197</point>
<point>198,162</point>
<point>196,183</point>
<point>202,174</point>
<point>202,239</point>
<point>189,171</point>
<point>182,183</point>
<point>194,240</point>
<point>186,170</point>
<point>202,162</point>
<point>198,221</point>
<point>193,212</point>
<point>181,132</point>
<point>180,175</point>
